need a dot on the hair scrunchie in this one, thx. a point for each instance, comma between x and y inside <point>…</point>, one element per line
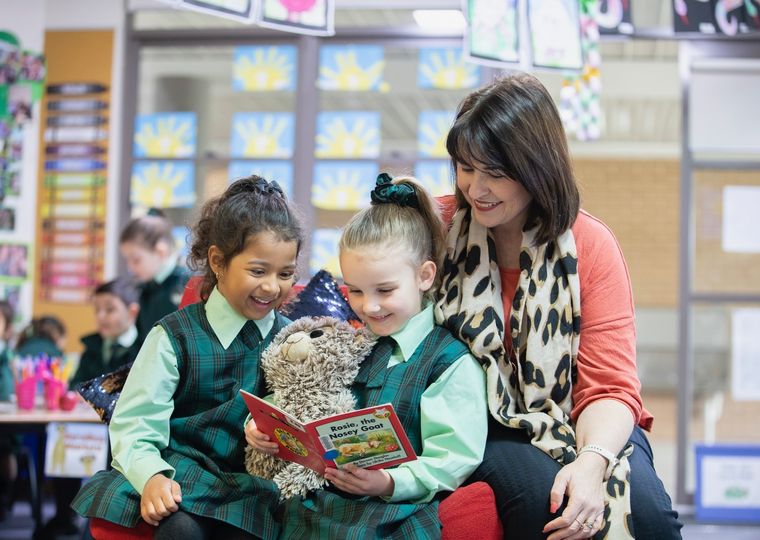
<point>386,192</point>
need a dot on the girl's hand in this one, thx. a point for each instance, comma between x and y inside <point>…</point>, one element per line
<point>259,440</point>
<point>352,479</point>
<point>161,496</point>
<point>582,482</point>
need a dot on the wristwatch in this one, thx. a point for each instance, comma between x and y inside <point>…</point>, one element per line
<point>611,458</point>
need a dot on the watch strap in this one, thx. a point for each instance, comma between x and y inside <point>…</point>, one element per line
<point>611,458</point>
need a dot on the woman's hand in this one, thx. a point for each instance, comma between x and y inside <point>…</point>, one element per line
<point>352,479</point>
<point>583,483</point>
<point>160,497</point>
<point>259,440</point>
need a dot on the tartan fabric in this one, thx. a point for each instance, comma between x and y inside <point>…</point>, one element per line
<point>326,514</point>
<point>403,384</point>
<point>207,441</point>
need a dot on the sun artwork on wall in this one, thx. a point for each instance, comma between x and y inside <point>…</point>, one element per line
<point>165,135</point>
<point>352,68</point>
<point>351,135</point>
<point>264,68</point>
<point>446,69</point>
<point>435,176</point>
<point>432,130</point>
<point>262,135</point>
<point>341,185</point>
<point>162,184</point>
<point>324,251</point>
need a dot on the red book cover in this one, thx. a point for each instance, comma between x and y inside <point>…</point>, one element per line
<point>371,438</point>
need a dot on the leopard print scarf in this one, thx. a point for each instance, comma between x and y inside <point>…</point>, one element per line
<point>530,387</point>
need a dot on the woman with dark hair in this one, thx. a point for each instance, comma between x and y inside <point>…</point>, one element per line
<point>540,292</point>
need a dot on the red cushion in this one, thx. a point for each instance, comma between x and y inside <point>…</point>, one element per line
<point>469,509</point>
<point>192,292</point>
<point>106,530</point>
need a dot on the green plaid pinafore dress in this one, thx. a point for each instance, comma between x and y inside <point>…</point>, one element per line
<point>325,513</point>
<point>207,442</point>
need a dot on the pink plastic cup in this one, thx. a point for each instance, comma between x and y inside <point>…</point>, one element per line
<point>25,391</point>
<point>53,392</point>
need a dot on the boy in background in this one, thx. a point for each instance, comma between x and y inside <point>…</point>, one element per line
<point>114,344</point>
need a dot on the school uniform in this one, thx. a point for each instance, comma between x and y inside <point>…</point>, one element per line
<point>38,346</point>
<point>105,355</point>
<point>438,391</point>
<point>161,296</point>
<point>180,414</point>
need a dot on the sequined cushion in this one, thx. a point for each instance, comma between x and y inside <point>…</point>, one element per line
<point>320,297</point>
<point>103,391</point>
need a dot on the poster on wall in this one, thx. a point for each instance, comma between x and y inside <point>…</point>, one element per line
<point>277,171</point>
<point>614,17</point>
<point>716,16</point>
<point>436,176</point>
<point>432,130</point>
<point>264,68</point>
<point>239,10</point>
<point>343,185</point>
<point>555,32</point>
<point>492,35</point>
<point>263,135</point>
<point>14,262</point>
<point>75,450</point>
<point>311,17</point>
<point>357,68</point>
<point>446,68</point>
<point>163,184</point>
<point>324,251</point>
<point>348,134</point>
<point>165,135</point>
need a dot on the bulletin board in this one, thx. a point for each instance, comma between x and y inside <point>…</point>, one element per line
<point>72,177</point>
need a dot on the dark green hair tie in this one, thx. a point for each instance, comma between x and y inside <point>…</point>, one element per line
<point>387,192</point>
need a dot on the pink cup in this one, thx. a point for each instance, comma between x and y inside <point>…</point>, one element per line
<point>25,391</point>
<point>53,392</point>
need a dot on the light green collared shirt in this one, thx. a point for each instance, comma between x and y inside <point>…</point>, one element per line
<point>126,340</point>
<point>139,428</point>
<point>453,421</point>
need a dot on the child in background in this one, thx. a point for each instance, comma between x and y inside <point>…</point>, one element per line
<point>112,346</point>
<point>388,256</point>
<point>116,342</point>
<point>8,443</point>
<point>147,245</point>
<point>175,433</point>
<point>45,335</point>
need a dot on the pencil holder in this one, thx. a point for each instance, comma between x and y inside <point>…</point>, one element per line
<point>25,391</point>
<point>53,392</point>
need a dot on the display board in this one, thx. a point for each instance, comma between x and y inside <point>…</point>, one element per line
<point>73,163</point>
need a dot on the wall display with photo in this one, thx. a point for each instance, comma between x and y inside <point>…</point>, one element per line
<point>555,34</point>
<point>311,17</point>
<point>492,35</point>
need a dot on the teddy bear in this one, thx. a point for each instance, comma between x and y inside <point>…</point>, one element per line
<point>309,367</point>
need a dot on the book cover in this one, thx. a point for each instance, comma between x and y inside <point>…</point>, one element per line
<point>371,438</point>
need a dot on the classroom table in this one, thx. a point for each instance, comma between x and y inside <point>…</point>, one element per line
<point>19,421</point>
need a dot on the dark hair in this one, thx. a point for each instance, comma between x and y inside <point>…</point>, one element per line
<point>419,229</point>
<point>7,313</point>
<point>511,129</point>
<point>148,230</point>
<point>122,288</point>
<point>46,326</point>
<point>248,207</point>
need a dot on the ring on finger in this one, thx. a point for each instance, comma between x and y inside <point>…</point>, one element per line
<point>590,523</point>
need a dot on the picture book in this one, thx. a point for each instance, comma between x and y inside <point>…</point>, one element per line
<point>371,438</point>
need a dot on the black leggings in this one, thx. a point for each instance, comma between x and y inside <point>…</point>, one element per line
<point>185,526</point>
<point>521,476</point>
